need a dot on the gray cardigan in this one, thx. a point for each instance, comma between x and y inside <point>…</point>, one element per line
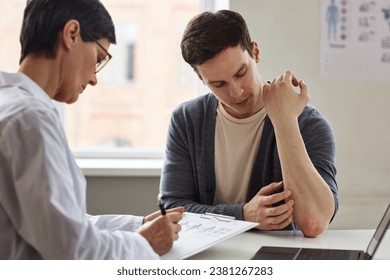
<point>188,175</point>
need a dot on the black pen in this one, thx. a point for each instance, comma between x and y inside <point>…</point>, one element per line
<point>162,209</point>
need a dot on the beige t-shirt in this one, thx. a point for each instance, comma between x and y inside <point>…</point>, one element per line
<point>236,145</point>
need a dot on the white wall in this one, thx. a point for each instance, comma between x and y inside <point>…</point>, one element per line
<point>288,34</point>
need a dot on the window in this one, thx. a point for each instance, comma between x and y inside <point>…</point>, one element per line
<point>129,110</point>
<point>130,62</point>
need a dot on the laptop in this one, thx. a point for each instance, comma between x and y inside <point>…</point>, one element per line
<point>295,253</point>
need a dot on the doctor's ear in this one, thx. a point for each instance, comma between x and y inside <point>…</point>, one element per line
<point>71,33</point>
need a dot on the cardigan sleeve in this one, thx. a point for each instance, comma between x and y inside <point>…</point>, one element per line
<point>320,144</point>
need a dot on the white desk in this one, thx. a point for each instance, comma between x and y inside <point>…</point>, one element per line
<point>245,245</point>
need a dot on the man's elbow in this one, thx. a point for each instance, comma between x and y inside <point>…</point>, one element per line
<point>312,228</point>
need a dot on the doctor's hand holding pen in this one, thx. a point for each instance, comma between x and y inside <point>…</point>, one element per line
<point>161,228</point>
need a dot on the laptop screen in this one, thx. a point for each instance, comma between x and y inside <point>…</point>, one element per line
<point>379,233</point>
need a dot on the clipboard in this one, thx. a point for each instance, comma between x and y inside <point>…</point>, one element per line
<point>202,231</point>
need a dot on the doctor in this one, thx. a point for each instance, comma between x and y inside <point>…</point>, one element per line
<point>42,191</point>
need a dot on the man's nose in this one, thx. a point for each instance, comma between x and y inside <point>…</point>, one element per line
<point>235,90</point>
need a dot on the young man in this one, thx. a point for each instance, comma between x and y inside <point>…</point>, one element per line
<point>42,191</point>
<point>250,149</point>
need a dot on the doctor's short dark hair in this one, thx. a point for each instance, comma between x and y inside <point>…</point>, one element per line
<point>208,34</point>
<point>43,21</point>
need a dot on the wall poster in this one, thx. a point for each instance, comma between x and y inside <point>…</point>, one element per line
<point>355,40</point>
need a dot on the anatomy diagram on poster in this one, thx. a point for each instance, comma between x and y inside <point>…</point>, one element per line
<point>355,40</point>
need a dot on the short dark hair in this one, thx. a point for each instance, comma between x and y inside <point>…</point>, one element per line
<point>44,19</point>
<point>208,34</point>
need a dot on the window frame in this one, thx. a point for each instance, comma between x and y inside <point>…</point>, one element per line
<point>125,158</point>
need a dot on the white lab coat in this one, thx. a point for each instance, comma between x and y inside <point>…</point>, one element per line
<point>42,190</point>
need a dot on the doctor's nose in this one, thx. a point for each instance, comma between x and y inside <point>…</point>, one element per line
<point>93,81</point>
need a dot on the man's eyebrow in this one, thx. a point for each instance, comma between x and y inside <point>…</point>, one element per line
<point>213,82</point>
<point>243,66</point>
